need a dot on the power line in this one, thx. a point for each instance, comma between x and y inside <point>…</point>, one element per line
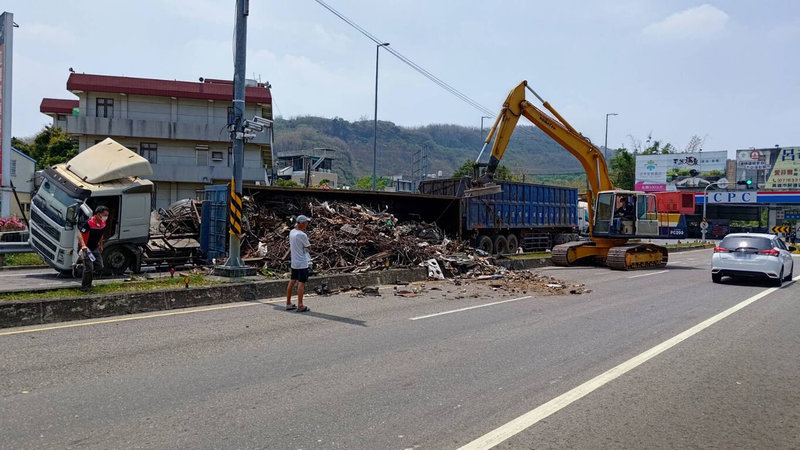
<point>463,97</point>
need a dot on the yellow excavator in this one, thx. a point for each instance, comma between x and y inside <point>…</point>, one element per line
<point>616,216</point>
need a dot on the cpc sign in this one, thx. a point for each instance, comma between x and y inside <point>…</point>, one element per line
<point>732,197</point>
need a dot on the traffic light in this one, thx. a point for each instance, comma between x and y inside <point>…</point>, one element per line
<point>748,183</point>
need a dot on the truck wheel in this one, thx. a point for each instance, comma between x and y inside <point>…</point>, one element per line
<point>485,244</point>
<point>117,260</point>
<point>513,242</point>
<point>500,245</point>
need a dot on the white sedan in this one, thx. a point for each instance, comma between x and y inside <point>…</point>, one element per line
<point>752,255</point>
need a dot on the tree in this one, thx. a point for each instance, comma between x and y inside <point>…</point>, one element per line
<point>365,183</point>
<point>650,146</point>
<point>286,183</point>
<point>51,146</point>
<point>465,170</point>
<point>502,173</point>
<point>623,169</point>
<point>695,144</point>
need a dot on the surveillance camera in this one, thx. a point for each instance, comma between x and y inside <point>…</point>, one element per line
<point>262,121</point>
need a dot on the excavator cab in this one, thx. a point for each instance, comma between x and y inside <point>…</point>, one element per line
<point>625,214</point>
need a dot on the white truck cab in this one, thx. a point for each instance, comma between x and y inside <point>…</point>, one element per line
<point>106,174</point>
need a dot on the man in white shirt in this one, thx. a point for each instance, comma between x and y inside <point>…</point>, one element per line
<point>298,246</point>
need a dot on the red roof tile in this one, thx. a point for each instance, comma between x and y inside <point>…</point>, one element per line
<point>163,88</point>
<point>57,106</point>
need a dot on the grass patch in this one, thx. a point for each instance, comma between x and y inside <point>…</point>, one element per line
<point>114,288</point>
<point>529,255</point>
<point>23,259</point>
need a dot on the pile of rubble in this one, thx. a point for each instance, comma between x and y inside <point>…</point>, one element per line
<point>525,282</point>
<point>345,237</point>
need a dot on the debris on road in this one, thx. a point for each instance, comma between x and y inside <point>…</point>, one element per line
<point>345,237</point>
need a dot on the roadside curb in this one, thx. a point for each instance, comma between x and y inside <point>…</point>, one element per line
<point>2,268</point>
<point>689,249</point>
<point>35,312</point>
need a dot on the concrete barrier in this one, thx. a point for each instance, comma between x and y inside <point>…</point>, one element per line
<point>33,312</point>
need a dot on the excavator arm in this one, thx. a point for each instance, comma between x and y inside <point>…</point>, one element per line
<point>516,106</point>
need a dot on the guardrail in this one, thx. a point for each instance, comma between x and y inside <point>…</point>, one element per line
<point>15,247</point>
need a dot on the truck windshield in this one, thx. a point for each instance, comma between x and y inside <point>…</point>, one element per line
<point>54,201</point>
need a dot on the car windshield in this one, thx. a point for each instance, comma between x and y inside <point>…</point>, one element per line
<point>737,242</point>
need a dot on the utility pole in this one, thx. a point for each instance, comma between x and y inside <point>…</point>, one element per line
<point>234,267</point>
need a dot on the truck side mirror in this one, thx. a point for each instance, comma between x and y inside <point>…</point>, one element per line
<point>72,210</point>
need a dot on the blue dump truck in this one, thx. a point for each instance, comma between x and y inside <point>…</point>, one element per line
<point>533,217</point>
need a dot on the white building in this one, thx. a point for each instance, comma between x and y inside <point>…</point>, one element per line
<point>179,126</point>
<point>22,171</point>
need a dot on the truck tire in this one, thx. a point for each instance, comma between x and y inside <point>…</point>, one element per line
<point>485,243</point>
<point>513,242</point>
<point>117,260</point>
<point>500,245</point>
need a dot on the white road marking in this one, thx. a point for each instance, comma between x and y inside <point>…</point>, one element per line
<point>530,418</point>
<point>469,307</point>
<point>648,274</point>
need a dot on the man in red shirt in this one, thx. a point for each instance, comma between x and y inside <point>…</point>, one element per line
<point>90,243</point>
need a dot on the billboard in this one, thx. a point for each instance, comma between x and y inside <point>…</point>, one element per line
<point>785,174</point>
<point>678,171</point>
<point>773,168</point>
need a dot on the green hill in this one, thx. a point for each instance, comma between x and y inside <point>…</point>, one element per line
<point>529,152</point>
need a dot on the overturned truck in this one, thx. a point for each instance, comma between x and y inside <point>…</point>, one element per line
<point>111,175</point>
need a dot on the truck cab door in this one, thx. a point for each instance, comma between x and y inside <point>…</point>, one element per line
<point>135,218</point>
<point>646,215</point>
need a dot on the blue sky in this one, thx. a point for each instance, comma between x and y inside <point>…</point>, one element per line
<point>726,71</point>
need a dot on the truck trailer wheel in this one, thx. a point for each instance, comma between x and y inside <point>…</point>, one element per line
<point>485,244</point>
<point>501,244</point>
<point>513,242</point>
<point>117,260</point>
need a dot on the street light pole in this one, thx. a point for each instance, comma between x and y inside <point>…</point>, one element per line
<point>605,145</point>
<point>483,117</point>
<point>705,203</point>
<point>375,132</point>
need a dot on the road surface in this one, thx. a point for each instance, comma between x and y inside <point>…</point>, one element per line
<point>648,359</point>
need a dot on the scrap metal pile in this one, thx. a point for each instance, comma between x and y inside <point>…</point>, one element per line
<point>345,237</point>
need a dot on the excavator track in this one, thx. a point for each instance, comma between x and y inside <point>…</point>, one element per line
<point>560,254</point>
<point>637,256</point>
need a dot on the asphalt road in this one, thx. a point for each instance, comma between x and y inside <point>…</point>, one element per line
<point>599,370</point>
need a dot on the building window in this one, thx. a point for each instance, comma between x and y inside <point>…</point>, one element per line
<point>13,167</point>
<point>216,156</point>
<point>201,154</point>
<point>105,107</point>
<point>149,151</point>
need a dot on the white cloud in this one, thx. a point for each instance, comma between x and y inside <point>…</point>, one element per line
<point>698,22</point>
<point>51,34</point>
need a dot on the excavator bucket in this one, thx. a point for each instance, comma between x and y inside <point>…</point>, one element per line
<point>482,190</point>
